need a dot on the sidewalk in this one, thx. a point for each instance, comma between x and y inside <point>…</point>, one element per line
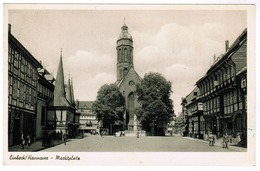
<point>37,146</point>
<point>218,143</point>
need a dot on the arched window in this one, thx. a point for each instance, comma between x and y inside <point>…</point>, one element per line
<point>131,56</point>
<point>131,83</point>
<point>118,55</point>
<point>125,71</point>
<point>125,54</point>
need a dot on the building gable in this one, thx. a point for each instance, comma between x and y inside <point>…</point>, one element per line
<point>128,83</point>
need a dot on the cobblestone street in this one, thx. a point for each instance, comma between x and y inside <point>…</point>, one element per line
<point>143,144</point>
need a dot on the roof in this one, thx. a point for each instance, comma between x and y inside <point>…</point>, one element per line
<point>124,33</point>
<point>59,90</point>
<point>85,113</point>
<point>242,70</point>
<point>118,83</point>
<point>191,97</point>
<point>12,40</point>
<point>238,42</point>
<point>85,104</point>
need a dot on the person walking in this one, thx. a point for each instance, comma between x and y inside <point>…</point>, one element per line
<point>211,139</point>
<point>22,140</point>
<point>28,140</point>
<point>65,138</point>
<point>101,133</point>
<point>225,141</point>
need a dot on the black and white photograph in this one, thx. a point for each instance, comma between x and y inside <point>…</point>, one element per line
<point>129,84</point>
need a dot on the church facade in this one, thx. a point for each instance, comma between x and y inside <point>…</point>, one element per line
<point>127,78</point>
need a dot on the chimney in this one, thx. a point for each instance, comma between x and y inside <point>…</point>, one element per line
<point>227,45</point>
<point>9,28</point>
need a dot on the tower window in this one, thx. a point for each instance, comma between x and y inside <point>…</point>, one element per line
<point>118,55</point>
<point>125,71</point>
<point>125,54</point>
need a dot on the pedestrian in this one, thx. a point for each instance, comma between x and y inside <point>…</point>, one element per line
<point>211,139</point>
<point>28,140</point>
<point>101,133</point>
<point>65,138</point>
<point>225,141</point>
<point>22,140</point>
<point>137,134</point>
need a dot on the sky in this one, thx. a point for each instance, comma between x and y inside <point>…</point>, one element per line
<point>179,43</point>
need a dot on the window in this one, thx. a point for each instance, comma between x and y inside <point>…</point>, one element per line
<point>125,55</point>
<point>15,87</point>
<point>221,76</point>
<point>10,90</point>
<point>131,56</point>
<point>10,54</point>
<point>131,83</point>
<point>118,55</point>
<point>216,81</point>
<point>21,91</point>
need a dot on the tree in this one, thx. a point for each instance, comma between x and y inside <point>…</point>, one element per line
<point>156,107</point>
<point>109,105</point>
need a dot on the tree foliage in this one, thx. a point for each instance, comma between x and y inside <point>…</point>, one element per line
<point>154,97</point>
<point>109,105</point>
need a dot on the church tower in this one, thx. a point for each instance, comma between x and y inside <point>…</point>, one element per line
<point>127,78</point>
<point>124,52</point>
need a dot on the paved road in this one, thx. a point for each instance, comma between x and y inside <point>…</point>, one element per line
<point>133,144</point>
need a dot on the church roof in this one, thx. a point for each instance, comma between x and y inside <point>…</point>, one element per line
<point>59,90</point>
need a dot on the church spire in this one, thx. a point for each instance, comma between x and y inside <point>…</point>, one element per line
<point>72,93</point>
<point>68,91</point>
<point>59,90</point>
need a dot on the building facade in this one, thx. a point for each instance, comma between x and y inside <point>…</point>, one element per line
<point>127,78</point>
<point>223,92</point>
<point>88,121</point>
<point>45,89</point>
<point>195,123</point>
<point>22,90</point>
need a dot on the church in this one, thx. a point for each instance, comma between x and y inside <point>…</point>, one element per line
<point>127,78</point>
